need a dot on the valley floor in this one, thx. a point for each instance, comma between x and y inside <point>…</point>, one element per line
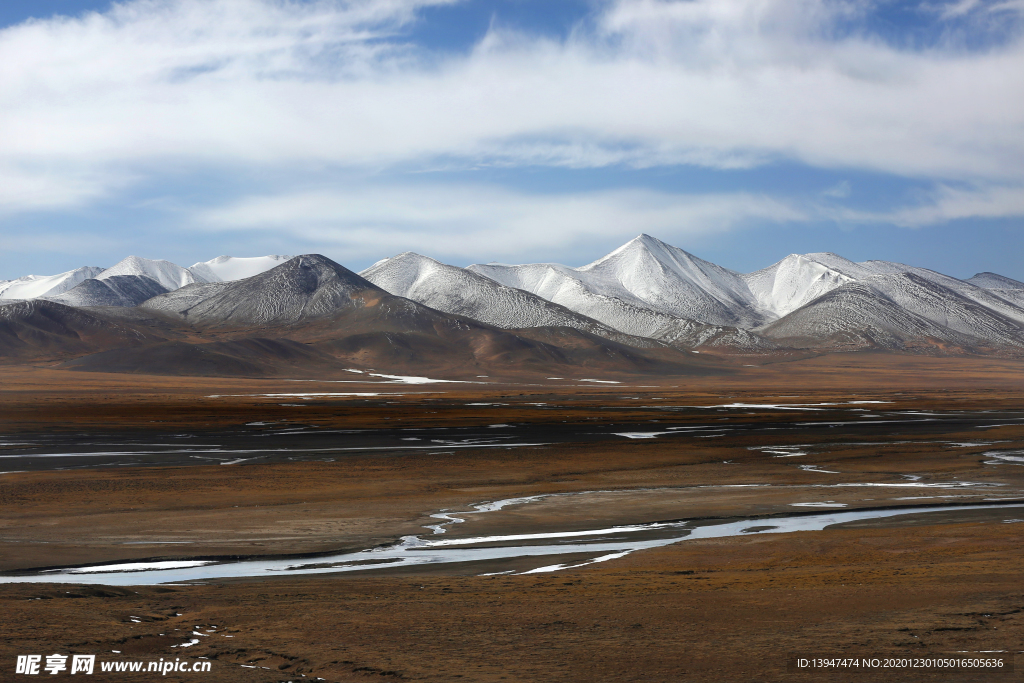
<point>841,432</point>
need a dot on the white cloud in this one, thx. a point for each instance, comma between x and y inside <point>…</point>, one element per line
<point>946,204</point>
<point>471,221</point>
<point>25,187</point>
<point>963,8</point>
<point>474,222</point>
<point>274,84</point>
<point>958,8</point>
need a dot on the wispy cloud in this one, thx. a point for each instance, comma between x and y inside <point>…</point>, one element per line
<point>223,84</point>
<point>473,221</point>
<point>947,204</point>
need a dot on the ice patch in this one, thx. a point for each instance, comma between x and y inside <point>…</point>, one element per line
<point>825,504</point>
<point>815,468</point>
<point>559,567</point>
<point>642,435</point>
<point>408,379</point>
<point>134,567</point>
<point>766,406</point>
<point>1004,457</point>
<point>780,451</point>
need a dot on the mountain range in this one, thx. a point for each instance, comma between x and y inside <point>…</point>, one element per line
<point>645,307</point>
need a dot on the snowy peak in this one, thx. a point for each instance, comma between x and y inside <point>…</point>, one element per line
<point>842,265</point>
<point>303,288</point>
<point>409,272</point>
<point>460,291</point>
<point>36,286</point>
<point>169,275</point>
<point>644,274</point>
<point>858,316</point>
<point>646,256</point>
<point>230,268</point>
<point>988,280</point>
<point>673,281</point>
<point>113,290</point>
<point>797,280</point>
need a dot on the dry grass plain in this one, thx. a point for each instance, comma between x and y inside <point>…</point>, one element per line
<point>731,609</point>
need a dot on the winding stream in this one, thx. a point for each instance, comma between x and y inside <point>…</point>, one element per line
<point>599,545</point>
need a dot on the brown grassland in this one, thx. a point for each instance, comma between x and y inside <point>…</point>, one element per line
<point>728,609</point>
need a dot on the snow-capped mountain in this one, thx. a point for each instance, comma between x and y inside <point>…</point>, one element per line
<point>132,280</point>
<point>127,283</point>
<point>668,279</point>
<point>648,288</point>
<point>169,275</point>
<point>644,274</point>
<point>961,306</point>
<point>462,292</point>
<point>465,292</point>
<point>230,268</point>
<point>994,281</point>
<point>960,311</point>
<point>798,279</point>
<point>645,294</point>
<point>183,298</point>
<point>36,286</point>
<point>305,287</point>
<point>857,316</point>
<point>113,290</point>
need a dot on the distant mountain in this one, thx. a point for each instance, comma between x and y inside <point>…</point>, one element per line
<point>643,276</point>
<point>796,280</point>
<point>36,286</point>
<point>462,292</point>
<point>343,320</point>
<point>963,288</point>
<point>309,287</point>
<point>229,268</point>
<point>633,310</point>
<point>994,281</point>
<point>167,274</point>
<point>965,314</point>
<point>184,298</point>
<point>40,329</point>
<point>857,316</point>
<point>134,280</point>
<point>111,290</point>
<point>966,310</point>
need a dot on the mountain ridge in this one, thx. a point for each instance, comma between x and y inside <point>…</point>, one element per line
<point>637,307</point>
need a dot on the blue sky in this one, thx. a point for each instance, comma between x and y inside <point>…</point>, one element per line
<point>512,130</point>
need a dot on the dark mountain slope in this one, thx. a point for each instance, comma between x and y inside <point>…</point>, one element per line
<point>324,316</point>
<point>40,329</point>
<point>238,358</point>
<point>306,288</point>
<point>116,290</point>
